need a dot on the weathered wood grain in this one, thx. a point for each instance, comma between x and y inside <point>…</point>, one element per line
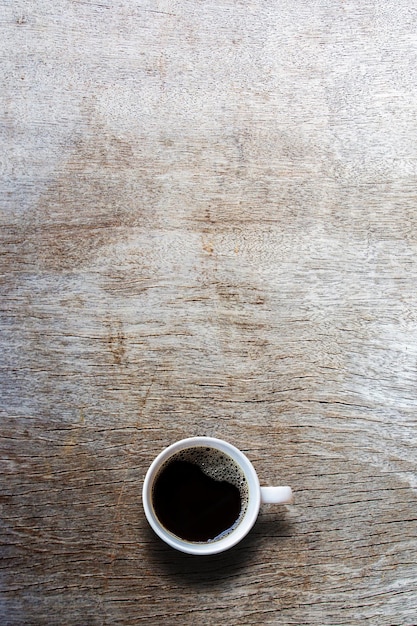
<point>209,226</point>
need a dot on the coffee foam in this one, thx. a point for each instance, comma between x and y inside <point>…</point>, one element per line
<point>217,465</point>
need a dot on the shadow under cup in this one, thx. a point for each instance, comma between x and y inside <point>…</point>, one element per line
<point>201,495</point>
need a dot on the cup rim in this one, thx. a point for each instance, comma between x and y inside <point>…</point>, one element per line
<point>249,517</point>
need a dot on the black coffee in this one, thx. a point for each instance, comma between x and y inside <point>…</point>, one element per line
<point>200,494</point>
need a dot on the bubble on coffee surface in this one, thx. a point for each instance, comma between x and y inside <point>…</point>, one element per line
<point>217,465</point>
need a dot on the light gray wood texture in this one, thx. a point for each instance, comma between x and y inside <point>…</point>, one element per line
<point>209,226</point>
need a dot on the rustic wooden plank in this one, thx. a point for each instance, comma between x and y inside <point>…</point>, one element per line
<point>208,227</point>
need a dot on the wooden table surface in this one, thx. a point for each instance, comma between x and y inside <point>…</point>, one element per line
<point>209,227</point>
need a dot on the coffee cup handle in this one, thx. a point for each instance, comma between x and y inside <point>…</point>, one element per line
<point>276,495</point>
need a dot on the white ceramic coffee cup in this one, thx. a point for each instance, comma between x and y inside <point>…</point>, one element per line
<point>257,495</point>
